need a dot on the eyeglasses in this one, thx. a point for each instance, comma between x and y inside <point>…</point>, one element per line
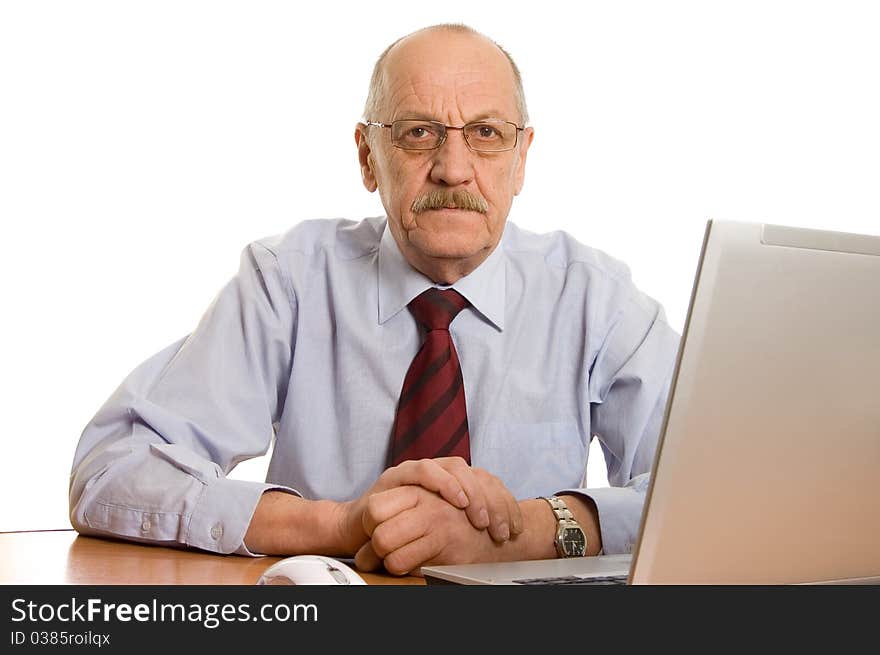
<point>480,136</point>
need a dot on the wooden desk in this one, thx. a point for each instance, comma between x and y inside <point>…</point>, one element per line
<point>64,557</point>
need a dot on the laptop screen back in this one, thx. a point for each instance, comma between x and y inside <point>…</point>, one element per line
<point>771,448</point>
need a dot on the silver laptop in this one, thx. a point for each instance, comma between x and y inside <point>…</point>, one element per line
<point>768,465</point>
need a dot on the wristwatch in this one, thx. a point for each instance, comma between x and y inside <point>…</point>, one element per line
<point>570,541</point>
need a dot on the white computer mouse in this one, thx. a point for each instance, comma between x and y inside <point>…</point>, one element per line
<point>310,569</point>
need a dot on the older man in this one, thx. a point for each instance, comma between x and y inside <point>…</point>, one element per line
<point>433,378</point>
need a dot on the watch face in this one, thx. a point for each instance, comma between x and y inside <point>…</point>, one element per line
<point>574,543</point>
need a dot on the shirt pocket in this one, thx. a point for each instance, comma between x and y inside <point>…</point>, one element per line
<point>534,459</point>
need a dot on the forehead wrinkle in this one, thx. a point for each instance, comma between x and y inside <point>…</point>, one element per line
<point>470,93</point>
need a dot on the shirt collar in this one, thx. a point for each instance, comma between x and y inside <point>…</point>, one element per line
<point>399,282</point>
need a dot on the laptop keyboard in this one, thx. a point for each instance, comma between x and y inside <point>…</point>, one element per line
<point>576,580</point>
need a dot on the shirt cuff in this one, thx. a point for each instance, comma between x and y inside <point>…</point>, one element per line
<point>223,513</point>
<point>620,513</point>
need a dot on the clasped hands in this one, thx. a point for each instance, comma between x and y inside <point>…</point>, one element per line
<point>431,511</point>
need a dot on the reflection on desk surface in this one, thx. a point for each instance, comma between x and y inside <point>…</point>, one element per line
<point>64,557</point>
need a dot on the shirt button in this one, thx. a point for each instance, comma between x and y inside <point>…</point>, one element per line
<point>146,525</point>
<point>217,532</point>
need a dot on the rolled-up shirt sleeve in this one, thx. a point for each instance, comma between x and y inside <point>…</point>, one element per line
<point>629,383</point>
<point>151,465</point>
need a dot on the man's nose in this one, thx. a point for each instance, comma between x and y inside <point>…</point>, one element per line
<point>453,162</point>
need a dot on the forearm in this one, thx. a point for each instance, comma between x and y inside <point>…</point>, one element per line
<point>285,524</point>
<point>161,494</point>
<point>619,510</point>
<point>536,540</point>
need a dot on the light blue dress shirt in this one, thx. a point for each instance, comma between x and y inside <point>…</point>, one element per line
<point>310,342</point>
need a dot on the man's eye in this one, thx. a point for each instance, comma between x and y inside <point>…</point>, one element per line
<point>417,135</point>
<point>485,133</point>
<point>419,132</point>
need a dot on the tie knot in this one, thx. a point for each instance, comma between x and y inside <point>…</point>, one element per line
<point>435,308</point>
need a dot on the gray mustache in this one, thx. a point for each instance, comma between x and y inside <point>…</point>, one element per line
<point>459,199</point>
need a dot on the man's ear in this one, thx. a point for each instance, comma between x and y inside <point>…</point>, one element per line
<point>520,171</point>
<point>363,146</point>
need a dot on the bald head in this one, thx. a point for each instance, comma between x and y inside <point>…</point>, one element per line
<point>412,49</point>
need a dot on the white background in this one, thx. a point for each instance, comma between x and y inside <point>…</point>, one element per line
<point>142,145</point>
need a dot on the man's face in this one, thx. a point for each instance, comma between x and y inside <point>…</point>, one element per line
<point>454,79</point>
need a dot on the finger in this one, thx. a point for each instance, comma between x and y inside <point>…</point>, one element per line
<point>477,510</point>
<point>505,516</point>
<point>400,530</point>
<point>411,556</point>
<point>432,476</point>
<point>366,559</point>
<point>499,512</point>
<point>383,505</point>
<point>517,525</point>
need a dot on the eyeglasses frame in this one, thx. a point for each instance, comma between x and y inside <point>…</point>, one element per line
<point>446,129</point>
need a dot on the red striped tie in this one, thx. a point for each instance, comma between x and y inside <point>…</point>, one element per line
<point>431,414</point>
